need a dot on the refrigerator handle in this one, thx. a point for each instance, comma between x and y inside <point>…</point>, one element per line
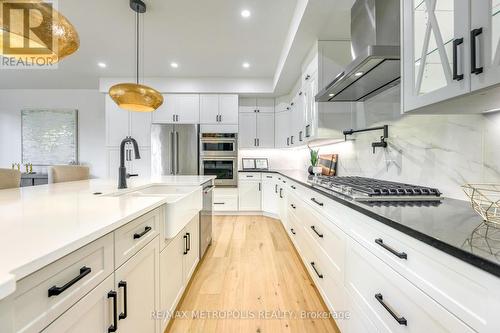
<point>176,153</point>
<point>172,171</point>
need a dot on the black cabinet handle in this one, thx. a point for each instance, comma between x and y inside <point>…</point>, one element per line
<point>219,203</point>
<point>316,232</point>
<point>317,202</point>
<point>400,320</point>
<point>54,290</point>
<point>293,187</point>
<point>293,206</point>
<point>456,43</point>
<point>269,176</point>
<point>146,230</point>
<point>276,188</point>
<point>123,284</point>
<point>114,326</point>
<point>473,39</point>
<point>293,231</point>
<point>308,131</point>
<point>188,241</point>
<point>315,270</point>
<point>260,187</point>
<point>185,244</point>
<point>249,176</point>
<point>400,255</point>
<point>281,193</point>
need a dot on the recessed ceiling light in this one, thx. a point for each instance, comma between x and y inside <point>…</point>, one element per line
<point>359,73</point>
<point>174,65</point>
<point>331,95</point>
<point>246,65</point>
<point>102,64</point>
<point>245,13</point>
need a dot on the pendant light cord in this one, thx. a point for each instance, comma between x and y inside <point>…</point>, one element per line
<point>137,48</point>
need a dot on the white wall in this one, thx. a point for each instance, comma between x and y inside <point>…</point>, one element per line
<point>90,106</point>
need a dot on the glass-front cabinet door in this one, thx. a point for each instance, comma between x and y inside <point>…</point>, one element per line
<point>485,41</point>
<point>435,51</point>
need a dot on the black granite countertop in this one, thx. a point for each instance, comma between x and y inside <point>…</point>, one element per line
<point>452,226</point>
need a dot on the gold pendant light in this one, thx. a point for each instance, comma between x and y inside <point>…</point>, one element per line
<point>134,96</point>
<point>46,38</point>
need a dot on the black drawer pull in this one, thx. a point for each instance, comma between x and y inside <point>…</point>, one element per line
<point>315,270</point>
<point>185,244</point>
<point>146,230</point>
<point>269,176</point>
<point>123,284</point>
<point>114,326</point>
<point>317,202</point>
<point>316,232</point>
<point>281,193</point>
<point>293,187</point>
<point>293,231</point>
<point>219,203</point>
<point>400,320</point>
<point>54,291</point>
<point>188,241</point>
<point>249,176</point>
<point>400,255</point>
<point>293,206</point>
<point>276,188</point>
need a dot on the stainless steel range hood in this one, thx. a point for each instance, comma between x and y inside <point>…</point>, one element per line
<point>375,33</point>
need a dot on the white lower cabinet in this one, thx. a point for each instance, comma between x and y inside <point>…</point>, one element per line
<point>394,304</point>
<point>269,194</point>
<point>426,291</point>
<point>178,261</point>
<point>137,286</point>
<point>249,198</point>
<point>93,313</point>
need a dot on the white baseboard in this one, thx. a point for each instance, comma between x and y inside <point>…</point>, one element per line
<point>238,213</point>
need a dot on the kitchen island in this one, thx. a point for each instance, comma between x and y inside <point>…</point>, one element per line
<point>44,225</point>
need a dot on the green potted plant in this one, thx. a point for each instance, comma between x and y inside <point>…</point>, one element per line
<point>314,158</point>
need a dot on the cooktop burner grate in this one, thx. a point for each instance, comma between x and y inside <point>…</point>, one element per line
<point>369,189</point>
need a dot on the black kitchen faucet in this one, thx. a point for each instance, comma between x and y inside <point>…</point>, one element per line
<point>122,171</point>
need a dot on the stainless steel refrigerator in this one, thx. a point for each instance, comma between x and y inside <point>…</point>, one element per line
<point>174,149</point>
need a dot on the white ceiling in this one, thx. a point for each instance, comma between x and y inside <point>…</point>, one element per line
<point>207,38</point>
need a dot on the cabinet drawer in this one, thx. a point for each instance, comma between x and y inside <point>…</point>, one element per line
<point>44,295</point>
<point>268,176</point>
<point>226,204</point>
<point>135,235</point>
<point>460,288</point>
<point>323,234</point>
<point>250,176</point>
<point>391,301</point>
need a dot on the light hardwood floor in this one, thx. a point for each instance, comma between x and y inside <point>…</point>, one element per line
<point>251,267</point>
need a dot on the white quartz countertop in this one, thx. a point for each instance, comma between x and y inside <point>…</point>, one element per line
<point>41,224</point>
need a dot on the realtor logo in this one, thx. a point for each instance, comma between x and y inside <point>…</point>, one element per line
<point>26,36</point>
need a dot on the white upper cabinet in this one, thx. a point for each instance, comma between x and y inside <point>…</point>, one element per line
<point>187,109</point>
<point>485,25</point>
<point>209,109</point>
<point>435,50</point>
<point>178,109</point>
<point>281,138</point>
<point>166,112</point>
<point>265,130</point>
<point>228,109</point>
<point>219,109</point>
<point>310,88</point>
<point>247,133</point>
<point>262,105</point>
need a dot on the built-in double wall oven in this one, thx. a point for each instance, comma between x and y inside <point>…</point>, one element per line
<point>219,157</point>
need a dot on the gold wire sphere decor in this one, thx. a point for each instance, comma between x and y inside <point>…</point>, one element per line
<point>136,97</point>
<point>485,200</point>
<point>50,38</point>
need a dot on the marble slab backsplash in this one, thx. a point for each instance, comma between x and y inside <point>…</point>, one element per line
<point>442,151</point>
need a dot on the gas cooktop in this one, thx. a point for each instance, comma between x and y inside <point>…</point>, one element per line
<point>369,189</point>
